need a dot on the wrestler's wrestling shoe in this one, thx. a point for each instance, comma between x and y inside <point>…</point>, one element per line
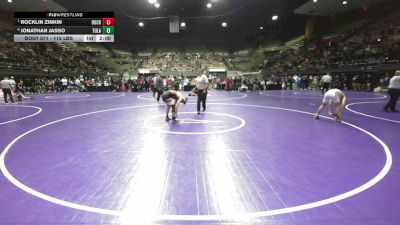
<point>337,118</point>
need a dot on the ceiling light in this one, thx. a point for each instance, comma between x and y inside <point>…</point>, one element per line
<point>209,5</point>
<point>9,1</point>
<point>152,1</point>
<point>261,28</point>
<point>274,17</point>
<point>344,2</point>
<point>183,24</point>
<point>224,24</point>
<point>141,24</point>
<point>315,0</point>
<point>157,5</point>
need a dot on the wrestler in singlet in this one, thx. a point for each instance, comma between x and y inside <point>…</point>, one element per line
<point>170,97</point>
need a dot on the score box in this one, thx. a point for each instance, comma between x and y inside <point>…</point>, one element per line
<point>64,26</point>
<point>108,21</point>
<point>108,30</point>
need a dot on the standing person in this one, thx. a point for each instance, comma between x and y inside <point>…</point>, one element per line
<point>146,85</point>
<point>151,83</point>
<point>159,87</point>
<point>325,82</point>
<point>304,82</point>
<point>89,83</point>
<point>6,86</point>
<point>335,96</point>
<point>123,87</point>
<point>315,82</point>
<point>394,92</point>
<point>262,83</point>
<point>368,83</point>
<point>202,89</point>
<point>339,83</point>
<point>13,85</point>
<point>172,99</point>
<point>64,83</point>
<point>289,83</point>
<point>176,83</point>
<point>78,84</point>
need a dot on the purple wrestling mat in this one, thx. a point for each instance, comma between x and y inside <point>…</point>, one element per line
<point>250,158</point>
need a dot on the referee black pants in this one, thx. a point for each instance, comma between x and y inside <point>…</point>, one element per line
<point>394,94</point>
<point>201,98</point>
<point>7,91</point>
<point>159,91</point>
<point>325,87</point>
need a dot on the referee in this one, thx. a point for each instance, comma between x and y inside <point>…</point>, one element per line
<point>325,82</point>
<point>158,87</point>
<point>6,86</point>
<point>202,89</point>
<point>394,92</point>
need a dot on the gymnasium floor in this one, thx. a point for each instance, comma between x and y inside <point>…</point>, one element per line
<point>251,158</point>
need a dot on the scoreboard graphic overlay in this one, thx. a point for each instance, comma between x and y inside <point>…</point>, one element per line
<point>64,26</point>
